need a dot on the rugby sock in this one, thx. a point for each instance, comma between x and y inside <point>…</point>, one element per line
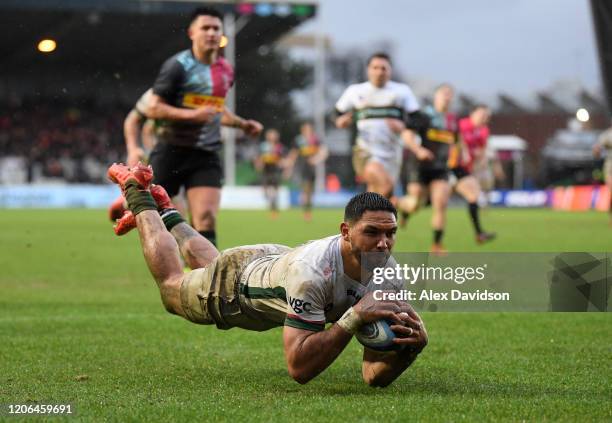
<point>171,218</point>
<point>405,216</point>
<point>138,200</point>
<point>438,234</point>
<point>473,208</point>
<point>210,235</point>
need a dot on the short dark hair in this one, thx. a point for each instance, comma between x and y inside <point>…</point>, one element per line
<point>380,55</point>
<point>365,201</point>
<point>204,11</point>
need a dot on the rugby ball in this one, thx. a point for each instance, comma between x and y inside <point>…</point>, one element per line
<point>378,336</point>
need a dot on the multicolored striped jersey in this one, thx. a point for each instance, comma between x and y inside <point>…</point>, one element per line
<point>184,81</point>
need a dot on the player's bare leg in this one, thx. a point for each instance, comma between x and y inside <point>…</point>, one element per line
<point>378,179</point>
<point>410,203</point>
<point>469,189</point>
<point>161,253</point>
<point>204,206</point>
<point>306,200</point>
<point>159,247</point>
<point>440,191</point>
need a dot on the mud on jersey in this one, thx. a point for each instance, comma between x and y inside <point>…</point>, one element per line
<point>372,106</point>
<point>303,288</point>
<point>185,82</point>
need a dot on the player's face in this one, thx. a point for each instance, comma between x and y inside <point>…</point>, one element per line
<point>379,71</point>
<point>373,233</point>
<point>480,116</point>
<point>205,33</point>
<point>443,98</point>
<point>272,136</point>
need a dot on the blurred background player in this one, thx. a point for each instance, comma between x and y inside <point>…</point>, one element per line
<point>373,106</point>
<point>269,163</point>
<point>309,152</point>
<point>472,146</point>
<point>188,102</point>
<point>604,143</point>
<point>437,128</point>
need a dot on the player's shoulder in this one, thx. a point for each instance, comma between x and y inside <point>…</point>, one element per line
<point>399,87</point>
<point>319,255</point>
<point>224,63</point>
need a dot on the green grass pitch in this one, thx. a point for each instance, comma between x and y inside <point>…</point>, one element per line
<point>81,322</point>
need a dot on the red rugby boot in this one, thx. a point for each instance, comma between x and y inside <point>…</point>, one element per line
<point>126,223</point>
<point>116,209</point>
<point>161,197</point>
<point>121,174</point>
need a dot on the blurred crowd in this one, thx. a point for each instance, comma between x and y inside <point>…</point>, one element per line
<point>49,141</point>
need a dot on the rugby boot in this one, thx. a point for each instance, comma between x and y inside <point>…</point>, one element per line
<point>126,223</point>
<point>121,174</point>
<point>117,208</point>
<point>161,197</point>
<point>483,237</point>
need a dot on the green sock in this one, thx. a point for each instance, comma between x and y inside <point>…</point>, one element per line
<point>171,218</point>
<point>138,200</point>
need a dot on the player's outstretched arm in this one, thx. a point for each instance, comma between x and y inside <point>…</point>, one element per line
<point>249,126</point>
<point>308,353</point>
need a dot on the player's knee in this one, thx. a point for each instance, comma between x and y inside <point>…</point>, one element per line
<point>170,294</point>
<point>205,220</point>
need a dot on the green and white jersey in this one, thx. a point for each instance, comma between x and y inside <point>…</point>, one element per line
<point>372,106</point>
<point>303,288</point>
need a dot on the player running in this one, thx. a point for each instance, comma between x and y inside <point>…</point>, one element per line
<point>374,105</point>
<point>437,128</point>
<point>188,105</point>
<point>259,287</point>
<point>309,152</point>
<point>269,163</point>
<point>472,146</point>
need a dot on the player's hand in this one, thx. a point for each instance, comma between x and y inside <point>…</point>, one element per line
<point>412,334</point>
<point>424,154</point>
<point>251,127</point>
<point>396,125</point>
<point>203,114</point>
<point>345,120</point>
<point>370,309</point>
<point>134,156</point>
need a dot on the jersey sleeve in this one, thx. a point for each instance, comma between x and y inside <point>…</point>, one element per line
<point>169,79</point>
<point>411,104</point>
<point>418,121</point>
<point>305,298</point>
<point>143,103</point>
<point>345,102</point>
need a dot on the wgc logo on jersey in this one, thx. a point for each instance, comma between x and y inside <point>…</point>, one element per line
<point>299,306</point>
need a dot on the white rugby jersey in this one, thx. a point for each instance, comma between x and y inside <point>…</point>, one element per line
<point>303,288</point>
<point>371,106</point>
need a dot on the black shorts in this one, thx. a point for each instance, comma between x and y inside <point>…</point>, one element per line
<point>460,172</point>
<point>427,176</point>
<point>270,176</point>
<point>176,166</point>
<point>308,173</point>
